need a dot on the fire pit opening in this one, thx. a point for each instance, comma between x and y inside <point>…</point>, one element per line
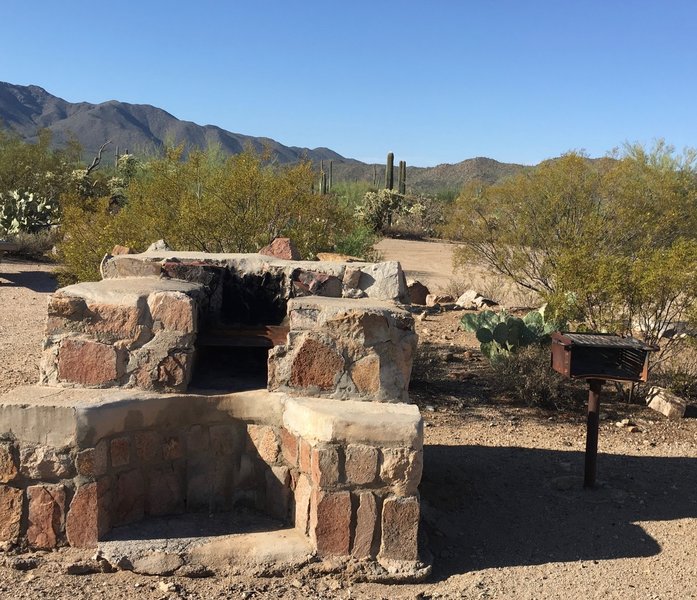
<point>246,321</point>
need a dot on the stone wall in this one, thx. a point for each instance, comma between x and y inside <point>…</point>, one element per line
<point>111,437</point>
<point>345,473</point>
<point>142,333</point>
<point>136,332</point>
<point>379,281</point>
<point>361,350</point>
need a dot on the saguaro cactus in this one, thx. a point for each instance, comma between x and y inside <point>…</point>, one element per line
<point>402,185</point>
<point>389,171</point>
<point>322,179</point>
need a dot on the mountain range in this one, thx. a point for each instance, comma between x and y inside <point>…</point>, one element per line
<point>142,128</point>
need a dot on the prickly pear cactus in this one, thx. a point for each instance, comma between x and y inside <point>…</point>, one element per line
<point>500,334</point>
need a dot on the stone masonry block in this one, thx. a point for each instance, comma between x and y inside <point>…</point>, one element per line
<point>120,450</point>
<point>128,498</point>
<point>174,370</point>
<point>222,439</point>
<point>361,464</point>
<point>315,364</point>
<point>366,535</point>
<point>172,447</point>
<point>11,502</point>
<point>46,515</point>
<point>400,528</point>
<point>330,522</point>
<point>304,456</point>
<point>278,491</point>
<point>67,307</point>
<point>148,446</point>
<point>93,462</point>
<point>289,447</point>
<point>325,466</point>
<point>87,363</point>
<point>209,483</point>
<point>401,469</point>
<point>89,516</point>
<point>366,374</point>
<point>197,439</point>
<point>303,494</point>
<point>174,310</point>
<point>44,463</point>
<point>109,322</point>
<point>262,439</point>
<point>8,462</point>
<point>165,492</point>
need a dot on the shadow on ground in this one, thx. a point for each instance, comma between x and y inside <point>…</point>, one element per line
<point>505,506</point>
<point>36,281</point>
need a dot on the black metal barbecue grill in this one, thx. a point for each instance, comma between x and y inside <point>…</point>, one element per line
<point>598,357</point>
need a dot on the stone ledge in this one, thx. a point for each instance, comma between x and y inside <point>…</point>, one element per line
<point>62,417</point>
<point>349,421</point>
<point>384,280</point>
<point>126,292</point>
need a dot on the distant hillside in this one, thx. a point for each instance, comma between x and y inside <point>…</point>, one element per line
<point>142,128</point>
<point>434,179</point>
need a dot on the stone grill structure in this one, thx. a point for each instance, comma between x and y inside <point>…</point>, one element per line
<point>115,433</point>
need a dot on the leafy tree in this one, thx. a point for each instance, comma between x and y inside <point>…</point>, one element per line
<point>611,244</point>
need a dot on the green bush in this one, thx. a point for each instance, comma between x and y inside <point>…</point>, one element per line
<point>204,202</point>
<point>610,244</point>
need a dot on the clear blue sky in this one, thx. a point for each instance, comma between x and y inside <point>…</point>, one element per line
<point>432,81</point>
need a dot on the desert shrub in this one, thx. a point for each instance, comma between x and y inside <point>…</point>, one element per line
<point>526,376</point>
<point>378,208</point>
<point>417,217</point>
<point>33,176</point>
<point>393,214</point>
<point>36,168</point>
<point>38,245</point>
<point>611,245</point>
<point>679,373</point>
<point>358,241</point>
<point>205,202</point>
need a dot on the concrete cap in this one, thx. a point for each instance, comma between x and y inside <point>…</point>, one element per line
<point>349,421</point>
<point>127,291</point>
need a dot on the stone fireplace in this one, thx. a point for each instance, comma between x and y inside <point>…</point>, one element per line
<point>189,382</point>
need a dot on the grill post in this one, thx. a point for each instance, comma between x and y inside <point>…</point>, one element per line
<point>592,431</point>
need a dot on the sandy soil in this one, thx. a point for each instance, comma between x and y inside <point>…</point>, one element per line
<point>504,514</point>
<point>431,263</point>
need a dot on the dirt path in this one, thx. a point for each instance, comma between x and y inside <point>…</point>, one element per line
<point>504,513</point>
<point>431,263</point>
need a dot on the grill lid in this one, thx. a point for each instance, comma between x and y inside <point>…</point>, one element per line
<point>600,340</point>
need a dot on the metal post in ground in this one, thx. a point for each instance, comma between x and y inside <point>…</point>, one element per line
<point>592,432</point>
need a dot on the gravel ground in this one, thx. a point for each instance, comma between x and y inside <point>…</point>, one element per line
<point>504,514</point>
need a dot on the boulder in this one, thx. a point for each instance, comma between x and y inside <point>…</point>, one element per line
<point>281,248</point>
<point>438,299</point>
<point>473,300</point>
<point>667,403</point>
<point>417,291</point>
<point>158,245</point>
